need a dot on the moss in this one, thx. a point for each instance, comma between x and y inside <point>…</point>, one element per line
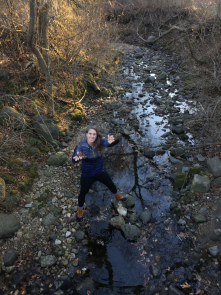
<point>8,178</point>
<point>13,192</point>
<point>47,191</point>
<point>183,137</point>
<point>70,91</point>
<point>76,115</point>
<point>195,170</point>
<point>188,197</point>
<point>9,88</point>
<point>180,180</point>
<point>44,148</point>
<point>32,171</point>
<point>34,214</point>
<point>40,199</point>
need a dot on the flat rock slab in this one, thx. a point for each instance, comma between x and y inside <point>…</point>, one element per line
<point>117,221</point>
<point>9,224</point>
<point>47,261</point>
<point>214,166</point>
<point>200,184</point>
<point>145,216</point>
<point>131,232</point>
<point>10,258</point>
<point>85,286</point>
<point>198,217</point>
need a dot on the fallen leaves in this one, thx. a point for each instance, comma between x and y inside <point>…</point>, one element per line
<point>185,285</point>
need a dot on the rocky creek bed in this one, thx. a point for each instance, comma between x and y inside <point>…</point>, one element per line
<point>164,240</point>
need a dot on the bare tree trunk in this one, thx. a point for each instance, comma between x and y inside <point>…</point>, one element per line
<point>43,29</point>
<point>39,56</point>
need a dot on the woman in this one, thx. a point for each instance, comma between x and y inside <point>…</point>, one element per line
<point>89,151</point>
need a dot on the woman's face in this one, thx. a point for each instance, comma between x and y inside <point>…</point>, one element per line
<point>91,136</point>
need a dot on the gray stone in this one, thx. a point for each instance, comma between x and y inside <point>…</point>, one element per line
<point>152,290</point>
<point>49,219</point>
<point>200,184</point>
<point>10,116</point>
<point>117,221</point>
<point>214,166</point>
<point>127,132</point>
<point>130,231</point>
<point>4,75</point>
<point>162,76</point>
<point>11,200</point>
<point>177,152</point>
<point>48,260</point>
<point>69,133</point>
<point>45,128</point>
<point>2,189</point>
<point>151,39</point>
<point>85,286</point>
<point>175,291</point>
<point>145,216</point>
<point>198,217</point>
<point>10,258</point>
<point>200,158</point>
<point>175,161</point>
<point>178,129</point>
<point>79,235</point>
<point>133,218</point>
<point>57,160</point>
<point>155,270</point>
<point>217,181</point>
<point>185,169</point>
<point>149,79</point>
<point>204,210</point>
<point>213,251</point>
<point>33,151</point>
<point>47,173</point>
<point>9,224</point>
<point>173,205</point>
<point>181,222</point>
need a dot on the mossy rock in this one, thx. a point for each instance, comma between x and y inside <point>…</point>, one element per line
<point>188,198</point>
<point>183,137</point>
<point>196,170</point>
<point>8,178</point>
<point>79,108</point>
<point>41,199</point>
<point>34,214</point>
<point>33,171</point>
<point>76,115</point>
<point>23,187</point>
<point>44,149</point>
<point>14,192</point>
<point>177,211</point>
<point>180,180</point>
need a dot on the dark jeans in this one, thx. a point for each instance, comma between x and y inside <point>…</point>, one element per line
<point>86,183</point>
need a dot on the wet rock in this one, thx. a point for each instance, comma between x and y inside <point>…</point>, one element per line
<point>85,286</point>
<point>214,166</point>
<point>49,219</point>
<point>94,209</point>
<point>58,250</point>
<point>166,134</point>
<point>145,216</point>
<point>148,248</point>
<point>12,199</point>
<point>173,205</point>
<point>185,169</point>
<point>133,218</point>
<point>149,153</point>
<point>175,291</point>
<point>213,251</point>
<point>178,129</point>
<point>181,222</point>
<point>56,160</point>
<point>131,232</point>
<point>217,181</point>
<point>10,258</point>
<point>162,76</point>
<point>200,184</point>
<point>155,270</point>
<point>151,290</point>
<point>79,235</point>
<point>198,217</point>
<point>117,221</point>
<point>9,224</point>
<point>129,203</point>
<point>177,152</point>
<point>47,261</point>
<point>149,79</point>
<point>127,132</point>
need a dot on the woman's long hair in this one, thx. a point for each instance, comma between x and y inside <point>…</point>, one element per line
<point>97,142</point>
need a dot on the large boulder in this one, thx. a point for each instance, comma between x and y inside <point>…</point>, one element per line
<point>9,224</point>
<point>12,117</point>
<point>57,160</point>
<point>2,189</point>
<point>131,232</point>
<point>214,166</point>
<point>45,128</point>
<point>200,184</point>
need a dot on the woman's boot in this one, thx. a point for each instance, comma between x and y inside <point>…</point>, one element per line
<point>80,214</point>
<point>119,197</point>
